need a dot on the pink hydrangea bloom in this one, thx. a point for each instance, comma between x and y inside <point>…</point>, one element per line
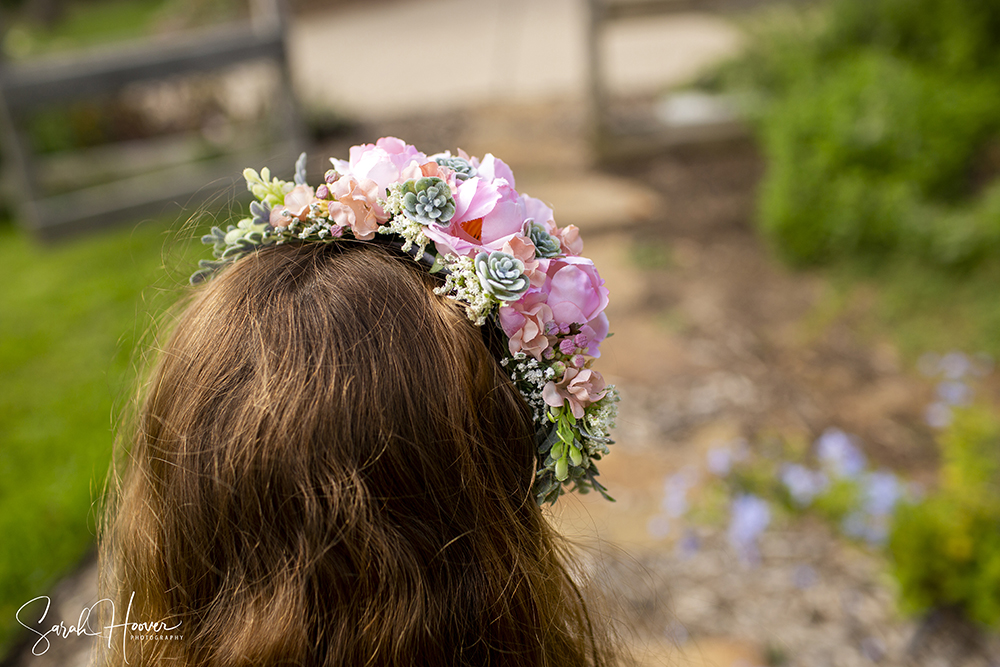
<point>579,387</point>
<point>569,239</point>
<point>524,323</point>
<point>389,160</point>
<point>355,206</point>
<point>297,203</point>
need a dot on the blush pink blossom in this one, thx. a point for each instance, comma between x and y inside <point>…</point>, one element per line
<point>355,206</point>
<point>506,216</point>
<point>474,198</point>
<point>569,239</point>
<point>387,161</point>
<point>297,203</point>
<point>524,323</point>
<point>492,169</point>
<point>521,248</point>
<point>579,387</point>
<point>539,212</point>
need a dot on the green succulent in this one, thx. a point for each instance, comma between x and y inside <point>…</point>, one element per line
<point>427,200</point>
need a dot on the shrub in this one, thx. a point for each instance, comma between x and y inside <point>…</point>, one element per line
<point>946,548</point>
<point>872,117</point>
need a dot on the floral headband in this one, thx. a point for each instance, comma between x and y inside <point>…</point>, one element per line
<point>503,257</point>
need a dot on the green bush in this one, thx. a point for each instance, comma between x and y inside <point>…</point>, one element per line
<point>872,118</point>
<point>946,548</point>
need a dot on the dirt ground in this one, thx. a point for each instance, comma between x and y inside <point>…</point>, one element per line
<point>713,341</point>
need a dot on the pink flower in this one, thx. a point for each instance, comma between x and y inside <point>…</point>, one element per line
<point>297,203</point>
<point>355,206</point>
<point>539,212</point>
<point>520,247</point>
<point>474,198</point>
<point>577,294</point>
<point>506,217</point>
<point>524,323</point>
<point>492,169</point>
<point>486,215</point>
<point>580,387</point>
<point>389,160</point>
<point>569,239</point>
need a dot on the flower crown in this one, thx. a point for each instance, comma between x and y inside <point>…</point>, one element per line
<point>502,256</point>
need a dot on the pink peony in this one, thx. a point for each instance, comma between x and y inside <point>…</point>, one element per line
<point>580,387</point>
<point>297,203</point>
<point>506,216</point>
<point>539,212</point>
<point>474,198</point>
<point>524,323</point>
<point>389,160</point>
<point>577,294</point>
<point>355,206</point>
<point>493,169</point>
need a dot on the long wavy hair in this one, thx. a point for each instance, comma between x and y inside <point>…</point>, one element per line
<point>329,467</point>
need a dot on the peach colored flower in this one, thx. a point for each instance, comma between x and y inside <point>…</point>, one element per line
<point>356,206</point>
<point>580,387</point>
<point>520,247</point>
<point>296,203</point>
<point>569,239</point>
<point>524,323</point>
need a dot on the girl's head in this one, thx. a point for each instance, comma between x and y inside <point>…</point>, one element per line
<point>329,467</point>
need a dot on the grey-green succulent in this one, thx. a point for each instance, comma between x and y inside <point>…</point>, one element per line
<point>545,244</point>
<point>501,275</point>
<point>463,168</point>
<point>427,200</point>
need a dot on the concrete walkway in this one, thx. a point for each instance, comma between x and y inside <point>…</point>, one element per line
<point>425,56</point>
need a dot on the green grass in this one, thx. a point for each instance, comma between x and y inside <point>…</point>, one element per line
<point>70,318</point>
<point>86,25</point>
<point>93,23</point>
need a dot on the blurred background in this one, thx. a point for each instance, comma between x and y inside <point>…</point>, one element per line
<point>796,208</point>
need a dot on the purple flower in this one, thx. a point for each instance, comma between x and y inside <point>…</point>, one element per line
<point>749,517</point>
<point>720,461</point>
<point>802,483</point>
<point>675,490</point>
<point>839,454</point>
<point>954,365</point>
<point>567,346</point>
<point>689,544</point>
<point>954,392</point>
<point>882,491</point>
<point>938,415</point>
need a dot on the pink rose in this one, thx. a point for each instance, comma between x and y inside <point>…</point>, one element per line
<point>524,323</point>
<point>577,294</point>
<point>580,387</point>
<point>297,203</point>
<point>355,206</point>
<point>389,160</point>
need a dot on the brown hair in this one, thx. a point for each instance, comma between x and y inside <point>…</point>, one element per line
<point>330,468</point>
